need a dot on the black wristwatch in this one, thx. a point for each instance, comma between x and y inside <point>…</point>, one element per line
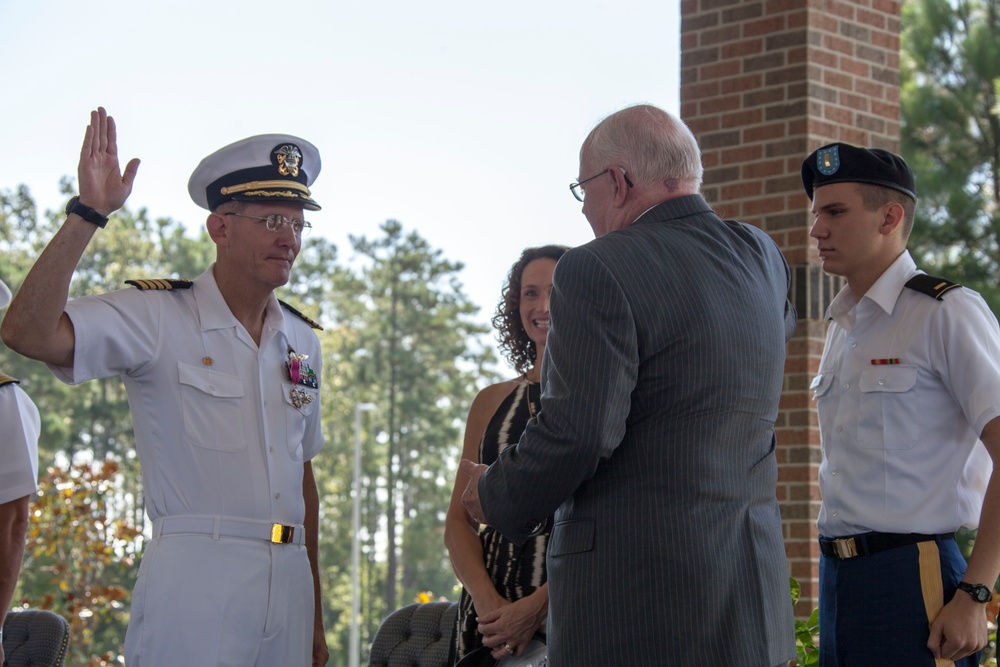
<point>85,212</point>
<point>979,593</point>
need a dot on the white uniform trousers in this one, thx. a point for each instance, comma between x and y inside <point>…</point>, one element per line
<point>226,602</point>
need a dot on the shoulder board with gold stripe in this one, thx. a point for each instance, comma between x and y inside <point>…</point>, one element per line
<point>311,322</point>
<point>6,379</point>
<point>160,283</point>
<point>931,285</point>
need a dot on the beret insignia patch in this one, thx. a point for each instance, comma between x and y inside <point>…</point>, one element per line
<point>828,160</point>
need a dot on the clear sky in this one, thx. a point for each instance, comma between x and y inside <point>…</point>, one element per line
<point>461,119</point>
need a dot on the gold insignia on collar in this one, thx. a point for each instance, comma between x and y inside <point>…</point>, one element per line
<point>289,159</point>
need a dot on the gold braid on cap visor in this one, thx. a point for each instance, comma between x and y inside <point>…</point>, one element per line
<point>234,189</point>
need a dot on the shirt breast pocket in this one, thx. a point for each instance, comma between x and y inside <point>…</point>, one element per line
<point>821,384</point>
<point>820,388</point>
<point>889,414</point>
<point>300,402</point>
<point>213,408</point>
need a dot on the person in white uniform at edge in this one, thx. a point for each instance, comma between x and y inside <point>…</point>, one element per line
<point>18,478</point>
<point>223,384</point>
<point>908,399</point>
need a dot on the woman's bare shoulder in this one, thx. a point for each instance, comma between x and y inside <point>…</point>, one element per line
<point>489,398</point>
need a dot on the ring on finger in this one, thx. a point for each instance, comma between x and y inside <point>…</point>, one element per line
<point>507,647</point>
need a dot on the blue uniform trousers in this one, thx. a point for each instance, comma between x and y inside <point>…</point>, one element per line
<point>874,611</point>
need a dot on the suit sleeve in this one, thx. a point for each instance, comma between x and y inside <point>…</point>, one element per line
<point>777,267</point>
<point>588,374</point>
<point>791,317</point>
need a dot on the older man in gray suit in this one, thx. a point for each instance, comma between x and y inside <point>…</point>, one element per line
<point>654,445</point>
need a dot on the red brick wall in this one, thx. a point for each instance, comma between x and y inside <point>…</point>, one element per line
<point>763,84</point>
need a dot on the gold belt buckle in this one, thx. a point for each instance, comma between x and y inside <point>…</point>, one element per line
<point>845,548</point>
<point>281,534</point>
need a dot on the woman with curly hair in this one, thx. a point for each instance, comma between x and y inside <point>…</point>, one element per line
<point>505,598</point>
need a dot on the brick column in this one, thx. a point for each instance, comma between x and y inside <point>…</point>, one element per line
<point>763,84</point>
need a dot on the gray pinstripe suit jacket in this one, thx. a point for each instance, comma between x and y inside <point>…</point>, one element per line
<point>654,446</point>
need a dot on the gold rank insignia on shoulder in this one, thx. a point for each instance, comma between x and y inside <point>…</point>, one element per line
<point>931,285</point>
<point>311,322</point>
<point>6,379</point>
<point>160,283</point>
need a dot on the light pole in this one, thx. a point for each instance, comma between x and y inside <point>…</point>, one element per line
<point>354,656</point>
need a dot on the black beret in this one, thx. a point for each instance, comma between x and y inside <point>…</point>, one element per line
<point>843,163</point>
<point>267,167</point>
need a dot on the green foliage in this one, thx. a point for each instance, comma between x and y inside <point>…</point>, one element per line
<point>404,339</point>
<point>806,632</point>
<point>950,67</point>
<point>80,557</point>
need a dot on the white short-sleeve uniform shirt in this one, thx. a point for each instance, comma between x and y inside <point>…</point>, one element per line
<point>216,429</point>
<point>19,444</point>
<point>905,386</point>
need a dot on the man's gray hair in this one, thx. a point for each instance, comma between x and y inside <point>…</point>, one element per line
<point>653,145</point>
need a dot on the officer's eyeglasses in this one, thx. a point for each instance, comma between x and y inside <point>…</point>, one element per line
<point>276,223</point>
<point>580,192</point>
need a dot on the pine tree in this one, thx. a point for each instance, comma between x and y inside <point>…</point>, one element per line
<point>951,137</point>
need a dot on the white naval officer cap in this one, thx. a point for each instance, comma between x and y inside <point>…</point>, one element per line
<point>263,168</point>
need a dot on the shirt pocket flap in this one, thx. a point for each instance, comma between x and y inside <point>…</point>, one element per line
<point>212,383</point>
<point>821,384</point>
<point>890,378</point>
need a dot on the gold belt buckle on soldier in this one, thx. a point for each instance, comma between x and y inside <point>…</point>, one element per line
<point>282,534</point>
<point>845,548</point>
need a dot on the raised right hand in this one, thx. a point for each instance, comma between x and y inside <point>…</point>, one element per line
<point>103,186</point>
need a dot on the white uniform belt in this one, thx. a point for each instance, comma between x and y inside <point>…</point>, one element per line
<point>220,526</point>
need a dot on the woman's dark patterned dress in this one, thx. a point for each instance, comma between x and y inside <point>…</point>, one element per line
<point>516,571</point>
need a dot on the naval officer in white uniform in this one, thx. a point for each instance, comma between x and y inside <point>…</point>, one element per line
<point>223,383</point>
<point>18,478</point>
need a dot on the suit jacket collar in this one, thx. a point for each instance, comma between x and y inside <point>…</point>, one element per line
<point>672,209</point>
